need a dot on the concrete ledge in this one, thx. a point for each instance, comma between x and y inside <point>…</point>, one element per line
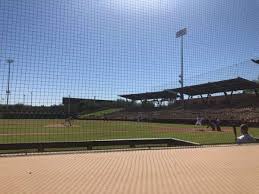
<point>132,143</point>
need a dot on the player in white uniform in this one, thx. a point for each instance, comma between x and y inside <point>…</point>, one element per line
<point>198,121</point>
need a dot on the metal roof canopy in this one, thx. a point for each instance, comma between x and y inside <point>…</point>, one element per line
<point>207,88</point>
<point>218,87</point>
<point>166,94</point>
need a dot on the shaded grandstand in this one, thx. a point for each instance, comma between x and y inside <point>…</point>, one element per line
<point>226,100</point>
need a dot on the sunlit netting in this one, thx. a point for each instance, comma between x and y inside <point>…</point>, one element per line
<point>81,71</point>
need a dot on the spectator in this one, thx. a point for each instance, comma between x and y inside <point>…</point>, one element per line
<point>245,137</point>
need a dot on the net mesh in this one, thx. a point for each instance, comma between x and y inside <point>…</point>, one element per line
<point>64,66</point>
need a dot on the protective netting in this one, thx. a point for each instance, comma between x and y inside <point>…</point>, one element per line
<point>65,66</point>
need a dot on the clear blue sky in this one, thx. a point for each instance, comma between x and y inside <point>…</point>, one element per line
<point>103,48</point>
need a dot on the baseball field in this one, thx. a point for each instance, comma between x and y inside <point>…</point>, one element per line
<point>26,130</point>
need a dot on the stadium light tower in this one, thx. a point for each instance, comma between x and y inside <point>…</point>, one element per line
<point>31,98</point>
<point>180,34</point>
<point>23,99</point>
<point>9,61</point>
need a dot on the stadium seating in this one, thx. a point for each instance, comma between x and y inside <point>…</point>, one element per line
<point>240,107</point>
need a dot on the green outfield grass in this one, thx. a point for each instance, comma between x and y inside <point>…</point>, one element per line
<point>17,131</point>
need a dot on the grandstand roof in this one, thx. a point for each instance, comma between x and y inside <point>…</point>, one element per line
<point>218,87</point>
<point>207,88</point>
<point>151,95</point>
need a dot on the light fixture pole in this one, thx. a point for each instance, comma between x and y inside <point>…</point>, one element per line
<point>180,34</point>
<point>9,61</point>
<point>31,98</point>
<point>69,106</point>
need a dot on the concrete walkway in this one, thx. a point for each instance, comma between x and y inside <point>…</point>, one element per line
<point>228,170</point>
